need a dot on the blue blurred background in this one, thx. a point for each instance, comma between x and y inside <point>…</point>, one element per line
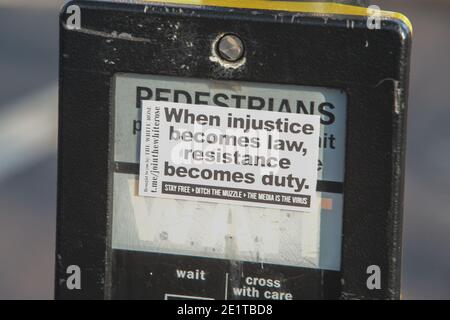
<point>28,135</point>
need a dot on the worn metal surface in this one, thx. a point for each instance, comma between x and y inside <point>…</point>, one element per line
<point>291,53</point>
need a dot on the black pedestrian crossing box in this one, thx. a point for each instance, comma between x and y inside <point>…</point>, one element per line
<point>231,150</point>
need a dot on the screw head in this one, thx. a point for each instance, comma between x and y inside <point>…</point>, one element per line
<point>230,48</point>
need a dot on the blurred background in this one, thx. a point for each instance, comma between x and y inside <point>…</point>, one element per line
<point>28,135</point>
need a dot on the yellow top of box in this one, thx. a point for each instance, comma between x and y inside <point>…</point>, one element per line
<point>307,7</point>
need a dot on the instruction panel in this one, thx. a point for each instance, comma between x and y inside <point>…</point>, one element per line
<point>225,189</point>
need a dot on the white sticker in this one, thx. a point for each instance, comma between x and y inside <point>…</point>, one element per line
<point>227,155</point>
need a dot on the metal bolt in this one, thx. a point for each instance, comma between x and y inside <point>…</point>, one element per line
<point>230,48</point>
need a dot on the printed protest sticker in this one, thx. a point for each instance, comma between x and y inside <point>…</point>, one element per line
<point>227,155</point>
